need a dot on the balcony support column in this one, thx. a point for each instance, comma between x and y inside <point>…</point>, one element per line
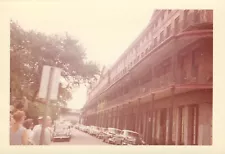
<point>103,123</point>
<point>151,106</point>
<point>137,123</point>
<point>126,117</point>
<point>133,116</point>
<point>96,119</point>
<point>110,118</point>
<point>99,119</point>
<point>129,112</point>
<point>140,128</point>
<point>102,116</point>
<point>114,117</point>
<point>117,117</point>
<point>170,128</point>
<point>122,117</point>
<point>106,118</point>
<point>140,117</point>
<point>144,122</point>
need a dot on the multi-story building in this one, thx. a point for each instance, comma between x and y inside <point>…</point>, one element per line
<point>161,86</point>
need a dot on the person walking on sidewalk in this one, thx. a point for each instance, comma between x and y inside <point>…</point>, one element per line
<point>37,133</point>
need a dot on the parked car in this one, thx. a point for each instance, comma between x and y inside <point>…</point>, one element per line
<point>80,127</point>
<point>95,131</point>
<point>111,132</point>
<point>101,133</point>
<point>86,129</point>
<point>76,126</point>
<point>61,132</point>
<point>69,124</point>
<point>90,129</point>
<point>127,137</point>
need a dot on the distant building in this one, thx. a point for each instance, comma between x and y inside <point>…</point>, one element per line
<point>161,86</point>
<point>70,115</point>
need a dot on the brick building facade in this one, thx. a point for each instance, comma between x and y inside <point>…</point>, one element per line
<point>161,86</point>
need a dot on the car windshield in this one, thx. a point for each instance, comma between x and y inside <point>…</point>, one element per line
<point>102,129</point>
<point>133,134</point>
<point>59,129</point>
<point>60,126</point>
<point>113,130</point>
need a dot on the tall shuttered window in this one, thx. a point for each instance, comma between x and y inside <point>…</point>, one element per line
<point>181,125</point>
<point>194,120</point>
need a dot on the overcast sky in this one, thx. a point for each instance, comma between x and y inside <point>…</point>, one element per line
<point>104,29</point>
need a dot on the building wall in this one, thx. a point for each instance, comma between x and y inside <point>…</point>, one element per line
<point>191,65</point>
<point>204,100</point>
<point>186,101</point>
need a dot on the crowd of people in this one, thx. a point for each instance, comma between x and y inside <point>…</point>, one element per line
<point>24,132</point>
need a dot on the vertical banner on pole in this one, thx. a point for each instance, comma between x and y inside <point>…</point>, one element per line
<point>44,82</point>
<point>55,83</point>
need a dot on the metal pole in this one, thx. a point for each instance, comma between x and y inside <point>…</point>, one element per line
<point>42,136</point>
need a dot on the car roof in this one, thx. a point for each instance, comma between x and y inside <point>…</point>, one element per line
<point>114,128</point>
<point>130,131</point>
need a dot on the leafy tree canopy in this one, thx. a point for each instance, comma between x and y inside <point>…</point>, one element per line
<point>30,50</point>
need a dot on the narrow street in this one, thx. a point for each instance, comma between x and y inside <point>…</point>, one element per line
<point>81,138</point>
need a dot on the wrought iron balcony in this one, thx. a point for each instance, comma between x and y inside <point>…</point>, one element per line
<point>136,92</point>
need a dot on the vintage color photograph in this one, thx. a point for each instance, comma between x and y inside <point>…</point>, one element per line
<point>113,77</point>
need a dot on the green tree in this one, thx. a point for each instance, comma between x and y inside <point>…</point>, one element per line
<point>31,50</point>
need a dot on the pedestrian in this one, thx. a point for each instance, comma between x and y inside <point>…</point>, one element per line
<point>40,119</point>
<point>11,109</point>
<point>28,124</point>
<point>18,106</point>
<point>12,121</point>
<point>18,134</point>
<point>50,126</point>
<point>37,133</point>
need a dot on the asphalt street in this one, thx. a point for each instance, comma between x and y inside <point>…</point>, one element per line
<point>80,138</point>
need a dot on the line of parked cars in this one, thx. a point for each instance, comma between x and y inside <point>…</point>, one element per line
<point>113,135</point>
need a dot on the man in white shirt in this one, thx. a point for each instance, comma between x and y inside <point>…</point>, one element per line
<point>40,119</point>
<point>37,133</point>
